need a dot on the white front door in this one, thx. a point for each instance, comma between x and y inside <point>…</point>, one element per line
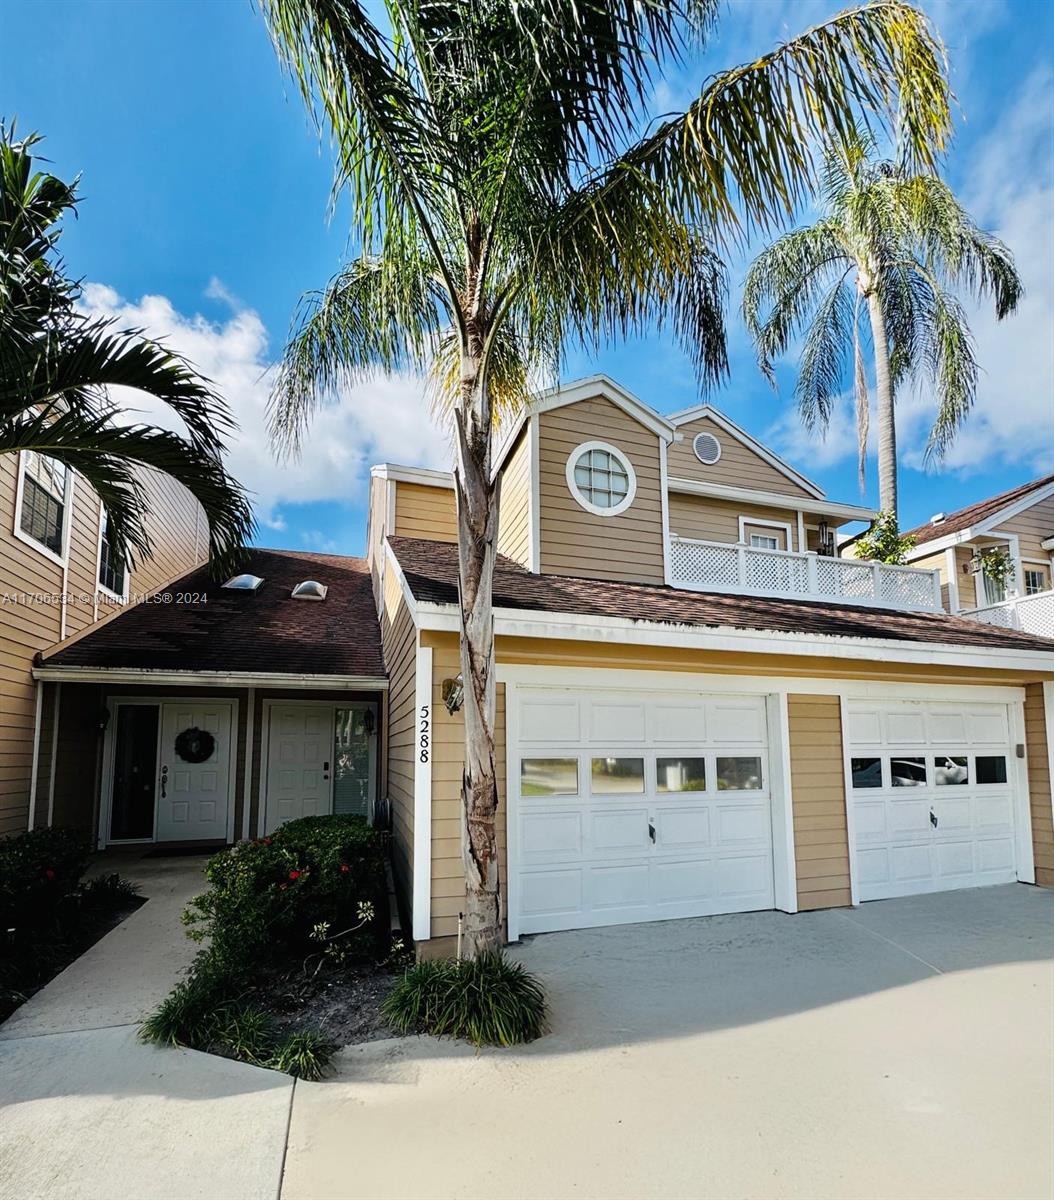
<point>299,761</point>
<point>638,808</point>
<point>932,786</point>
<point>193,797</point>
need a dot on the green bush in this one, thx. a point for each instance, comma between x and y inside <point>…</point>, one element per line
<point>487,1001</point>
<point>267,896</point>
<point>39,875</point>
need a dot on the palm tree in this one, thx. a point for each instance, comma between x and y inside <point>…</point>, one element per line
<point>56,364</point>
<point>510,201</point>
<point>898,243</point>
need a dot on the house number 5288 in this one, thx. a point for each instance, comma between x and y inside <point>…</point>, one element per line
<point>424,734</point>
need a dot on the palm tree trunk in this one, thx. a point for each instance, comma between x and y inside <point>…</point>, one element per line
<point>887,429</point>
<point>477,520</point>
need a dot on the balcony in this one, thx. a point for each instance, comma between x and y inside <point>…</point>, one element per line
<point>743,570</point>
<point>1030,614</point>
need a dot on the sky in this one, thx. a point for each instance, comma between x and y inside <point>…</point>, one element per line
<point>205,219</point>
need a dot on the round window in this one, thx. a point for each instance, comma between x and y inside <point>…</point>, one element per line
<point>707,448</point>
<point>601,479</point>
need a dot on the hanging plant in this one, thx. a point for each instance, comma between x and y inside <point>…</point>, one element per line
<point>195,745</point>
<point>996,564</point>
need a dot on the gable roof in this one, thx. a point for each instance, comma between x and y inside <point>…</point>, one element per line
<point>974,514</point>
<point>262,632</point>
<point>430,572</point>
<point>686,415</point>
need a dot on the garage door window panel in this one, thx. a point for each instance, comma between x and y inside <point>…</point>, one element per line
<point>990,769</point>
<point>617,776</point>
<point>548,777</point>
<point>907,772</point>
<point>680,775</point>
<point>739,774</point>
<point>867,772</point>
<point>951,770</point>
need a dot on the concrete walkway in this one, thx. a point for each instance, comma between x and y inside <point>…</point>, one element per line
<point>88,1112</point>
<point>902,1049</point>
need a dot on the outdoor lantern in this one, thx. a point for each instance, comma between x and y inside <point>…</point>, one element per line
<point>368,721</point>
<point>453,694</point>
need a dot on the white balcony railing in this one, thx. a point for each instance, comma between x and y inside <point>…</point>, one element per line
<point>735,568</point>
<point>1030,614</point>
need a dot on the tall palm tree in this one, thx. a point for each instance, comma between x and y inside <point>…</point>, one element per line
<point>897,243</point>
<point>510,201</point>
<point>56,364</point>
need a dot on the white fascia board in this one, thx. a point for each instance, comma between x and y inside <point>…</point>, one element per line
<point>741,435</point>
<point>422,475</point>
<point>727,491</point>
<point>620,630</point>
<point>239,679</point>
<point>408,596</point>
<point>606,388</point>
<point>986,527</point>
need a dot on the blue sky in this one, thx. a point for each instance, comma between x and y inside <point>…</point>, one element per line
<point>204,219</point>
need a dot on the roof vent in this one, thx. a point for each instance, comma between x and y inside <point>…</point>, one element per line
<point>310,589</point>
<point>243,583</point>
<point>707,448</point>
<point>937,518</point>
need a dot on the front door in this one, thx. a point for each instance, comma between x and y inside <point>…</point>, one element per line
<point>299,758</point>
<point>194,782</point>
<point>135,769</point>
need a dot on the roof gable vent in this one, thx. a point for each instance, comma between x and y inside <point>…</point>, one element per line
<point>243,583</point>
<point>310,589</point>
<point>937,518</point>
<point>707,448</point>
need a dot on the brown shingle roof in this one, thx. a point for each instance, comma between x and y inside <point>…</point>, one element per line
<point>262,631</point>
<point>431,573</point>
<point>973,513</point>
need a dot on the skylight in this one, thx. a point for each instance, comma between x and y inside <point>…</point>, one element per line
<point>243,583</point>
<point>310,589</point>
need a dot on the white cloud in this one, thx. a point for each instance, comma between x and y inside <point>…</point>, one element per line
<point>819,449</point>
<point>384,420</point>
<point>315,539</point>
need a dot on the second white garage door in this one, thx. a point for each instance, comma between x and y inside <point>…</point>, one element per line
<point>933,790</point>
<point>638,808</point>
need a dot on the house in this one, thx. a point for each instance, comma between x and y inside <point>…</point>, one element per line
<point>701,708</point>
<point>1020,523</point>
<point>58,578</point>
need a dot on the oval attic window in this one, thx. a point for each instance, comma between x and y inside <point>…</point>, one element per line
<point>707,448</point>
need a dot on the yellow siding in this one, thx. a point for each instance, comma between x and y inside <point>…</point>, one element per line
<point>514,516</point>
<point>1032,527</point>
<point>399,638</point>
<point>713,520</point>
<point>738,466</point>
<point>179,539</point>
<point>821,841</point>
<point>576,542</point>
<point>422,511</point>
<point>1037,737</point>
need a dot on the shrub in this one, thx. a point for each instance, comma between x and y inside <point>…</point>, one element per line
<point>267,896</point>
<point>303,1054</point>
<point>486,1001</point>
<point>39,874</point>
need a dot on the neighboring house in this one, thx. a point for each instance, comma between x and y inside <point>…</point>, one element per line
<point>1019,522</point>
<point>700,708</point>
<point>58,578</point>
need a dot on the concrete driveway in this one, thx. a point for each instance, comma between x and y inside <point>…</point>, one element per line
<point>902,1049</point>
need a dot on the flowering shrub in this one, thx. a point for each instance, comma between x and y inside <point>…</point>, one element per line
<point>39,876</point>
<point>268,896</point>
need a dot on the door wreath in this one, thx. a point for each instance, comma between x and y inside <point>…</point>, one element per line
<point>195,745</point>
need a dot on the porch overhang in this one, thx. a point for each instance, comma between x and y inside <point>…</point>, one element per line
<point>225,679</point>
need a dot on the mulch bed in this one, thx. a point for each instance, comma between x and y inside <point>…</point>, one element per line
<point>342,1002</point>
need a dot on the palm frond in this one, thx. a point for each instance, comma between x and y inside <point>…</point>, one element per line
<point>823,356</point>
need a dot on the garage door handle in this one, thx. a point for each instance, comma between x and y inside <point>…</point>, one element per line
<point>933,818</point>
<point>651,832</point>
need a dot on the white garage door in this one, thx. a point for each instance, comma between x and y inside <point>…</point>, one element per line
<point>932,790</point>
<point>638,807</point>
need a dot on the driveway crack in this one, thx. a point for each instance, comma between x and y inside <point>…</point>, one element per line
<point>889,942</point>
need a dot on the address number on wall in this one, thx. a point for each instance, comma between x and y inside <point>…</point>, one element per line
<point>424,732</point>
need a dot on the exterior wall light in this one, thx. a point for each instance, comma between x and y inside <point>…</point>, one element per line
<point>453,694</point>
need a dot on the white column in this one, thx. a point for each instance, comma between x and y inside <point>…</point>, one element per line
<point>422,897</point>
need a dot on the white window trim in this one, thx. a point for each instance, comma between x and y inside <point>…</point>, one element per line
<point>100,587</point>
<point>62,559</point>
<point>622,457</point>
<point>762,523</point>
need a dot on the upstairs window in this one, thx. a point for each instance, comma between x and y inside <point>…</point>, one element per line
<point>601,479</point>
<point>44,502</point>
<point>113,574</point>
<point>1036,580</point>
<point>764,541</point>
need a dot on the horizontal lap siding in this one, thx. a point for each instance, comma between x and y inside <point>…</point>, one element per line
<point>1037,741</point>
<point>425,512</point>
<point>712,520</point>
<point>738,466</point>
<point>399,639</point>
<point>1033,526</point>
<point>821,842</point>
<point>514,523</point>
<point>575,542</point>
